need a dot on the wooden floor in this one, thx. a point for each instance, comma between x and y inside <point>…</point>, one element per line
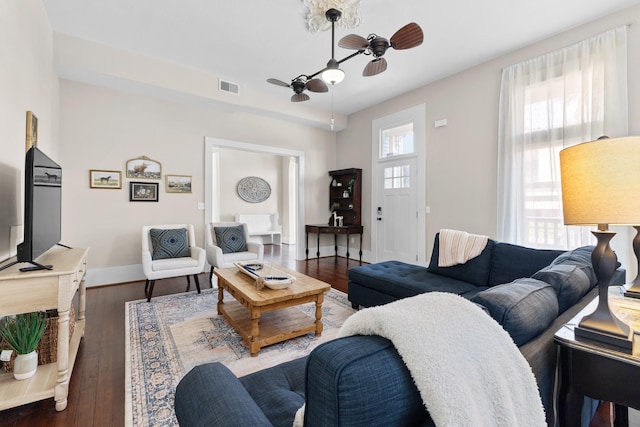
<point>96,391</point>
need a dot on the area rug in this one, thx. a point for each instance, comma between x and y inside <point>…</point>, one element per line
<point>170,335</point>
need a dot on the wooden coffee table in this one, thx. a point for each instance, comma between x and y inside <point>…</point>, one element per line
<point>269,316</point>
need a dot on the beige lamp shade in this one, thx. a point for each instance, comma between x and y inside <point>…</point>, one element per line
<point>601,182</point>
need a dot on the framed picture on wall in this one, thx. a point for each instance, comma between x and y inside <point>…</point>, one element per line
<point>143,191</point>
<point>144,168</point>
<point>31,139</point>
<point>178,183</point>
<point>105,179</point>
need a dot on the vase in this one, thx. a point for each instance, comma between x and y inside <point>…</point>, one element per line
<point>25,365</point>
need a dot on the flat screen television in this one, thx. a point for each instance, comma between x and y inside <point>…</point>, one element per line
<point>42,209</point>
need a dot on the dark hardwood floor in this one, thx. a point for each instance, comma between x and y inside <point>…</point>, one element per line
<point>97,387</point>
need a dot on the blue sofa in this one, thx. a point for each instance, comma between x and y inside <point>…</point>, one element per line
<point>362,381</point>
<point>499,263</point>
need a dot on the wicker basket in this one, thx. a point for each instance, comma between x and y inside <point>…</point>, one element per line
<point>48,346</point>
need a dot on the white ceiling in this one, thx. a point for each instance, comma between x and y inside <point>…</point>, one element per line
<point>249,41</point>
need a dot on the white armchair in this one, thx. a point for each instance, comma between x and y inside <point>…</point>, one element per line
<point>171,259</point>
<point>218,258</point>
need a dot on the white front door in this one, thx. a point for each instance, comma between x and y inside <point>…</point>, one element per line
<point>397,212</point>
<point>398,199</point>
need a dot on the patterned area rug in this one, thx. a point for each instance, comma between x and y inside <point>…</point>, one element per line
<point>170,335</point>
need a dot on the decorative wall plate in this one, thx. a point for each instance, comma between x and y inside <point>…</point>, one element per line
<point>253,189</point>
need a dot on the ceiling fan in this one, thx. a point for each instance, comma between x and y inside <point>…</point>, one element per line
<point>299,84</point>
<point>302,82</point>
<point>405,38</point>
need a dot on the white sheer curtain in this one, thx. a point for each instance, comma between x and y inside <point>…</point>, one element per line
<point>557,100</point>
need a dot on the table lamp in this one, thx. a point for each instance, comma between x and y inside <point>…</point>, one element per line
<point>600,186</point>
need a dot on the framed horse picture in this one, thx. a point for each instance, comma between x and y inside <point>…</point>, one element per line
<point>105,179</point>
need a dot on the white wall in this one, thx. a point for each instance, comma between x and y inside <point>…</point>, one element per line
<point>102,128</point>
<point>27,83</point>
<point>235,165</point>
<point>461,158</point>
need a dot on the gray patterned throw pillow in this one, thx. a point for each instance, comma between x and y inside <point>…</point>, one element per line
<point>231,239</point>
<point>171,243</point>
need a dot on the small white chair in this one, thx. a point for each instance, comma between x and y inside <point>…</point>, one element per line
<point>218,258</point>
<point>167,266</point>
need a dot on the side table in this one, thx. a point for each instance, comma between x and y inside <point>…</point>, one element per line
<point>596,370</point>
<point>330,229</point>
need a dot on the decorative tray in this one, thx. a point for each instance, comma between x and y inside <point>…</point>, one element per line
<point>266,275</point>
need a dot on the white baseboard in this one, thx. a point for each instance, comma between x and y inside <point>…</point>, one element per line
<point>113,275</point>
<point>288,241</point>
<point>134,273</point>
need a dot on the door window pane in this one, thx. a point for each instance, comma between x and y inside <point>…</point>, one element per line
<point>396,177</point>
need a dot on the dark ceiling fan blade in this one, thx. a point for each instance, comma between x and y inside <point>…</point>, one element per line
<point>374,67</point>
<point>299,97</point>
<point>407,37</point>
<point>317,85</point>
<point>278,82</point>
<point>353,41</point>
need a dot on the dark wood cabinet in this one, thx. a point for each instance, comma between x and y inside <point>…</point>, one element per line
<point>345,196</point>
<point>345,199</point>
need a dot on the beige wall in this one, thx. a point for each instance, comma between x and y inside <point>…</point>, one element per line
<point>27,82</point>
<point>461,158</point>
<point>103,128</point>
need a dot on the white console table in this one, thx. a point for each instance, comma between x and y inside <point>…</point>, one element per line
<point>38,291</point>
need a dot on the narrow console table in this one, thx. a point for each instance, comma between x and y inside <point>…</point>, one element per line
<point>39,291</point>
<point>596,370</point>
<point>329,229</point>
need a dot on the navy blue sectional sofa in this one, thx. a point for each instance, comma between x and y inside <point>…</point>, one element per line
<point>362,381</point>
<point>499,263</point>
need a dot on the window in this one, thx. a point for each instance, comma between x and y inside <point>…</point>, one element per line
<point>567,97</point>
<point>397,141</point>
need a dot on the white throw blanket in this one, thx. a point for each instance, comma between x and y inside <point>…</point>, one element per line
<point>458,247</point>
<point>466,366</point>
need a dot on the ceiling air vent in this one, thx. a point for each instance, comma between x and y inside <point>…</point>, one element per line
<point>229,87</point>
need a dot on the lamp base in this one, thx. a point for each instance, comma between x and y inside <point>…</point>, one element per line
<point>624,344</point>
<point>602,325</point>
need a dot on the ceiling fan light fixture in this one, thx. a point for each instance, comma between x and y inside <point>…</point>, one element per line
<point>407,37</point>
<point>332,74</point>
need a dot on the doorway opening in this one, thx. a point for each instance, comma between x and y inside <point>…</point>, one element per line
<point>294,171</point>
